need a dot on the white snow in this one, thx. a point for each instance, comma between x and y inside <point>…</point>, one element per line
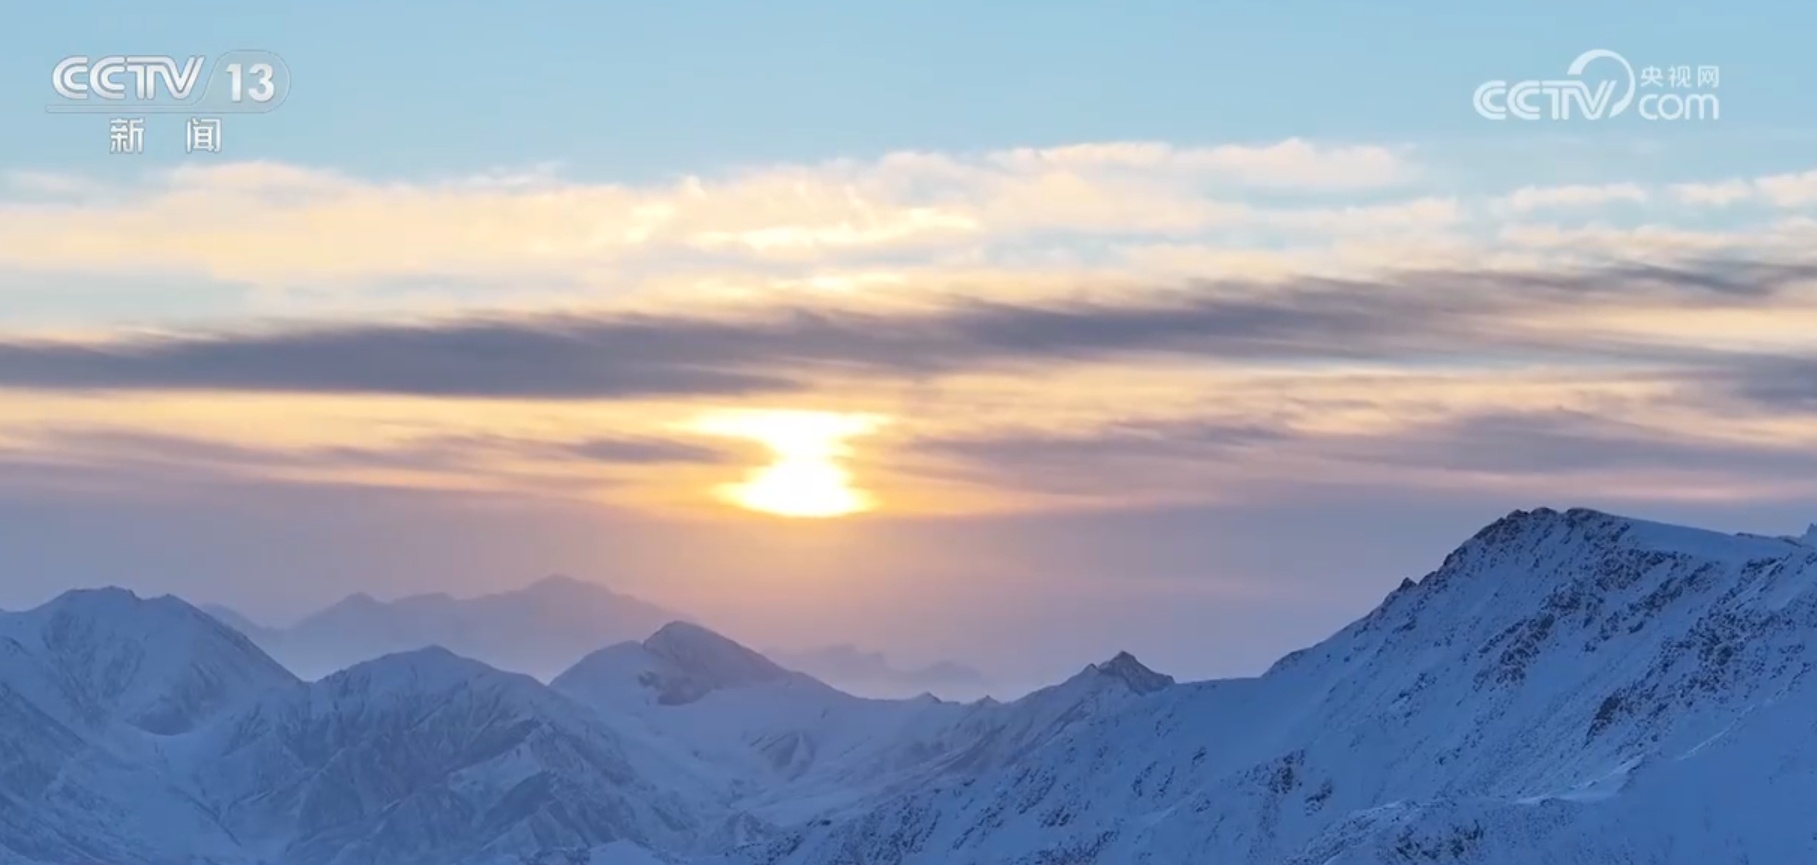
<point>1566,688</point>
<point>1521,704</point>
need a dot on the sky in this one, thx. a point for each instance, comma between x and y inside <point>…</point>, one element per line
<point>1016,333</point>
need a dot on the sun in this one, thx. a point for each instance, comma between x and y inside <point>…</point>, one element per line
<point>805,480</point>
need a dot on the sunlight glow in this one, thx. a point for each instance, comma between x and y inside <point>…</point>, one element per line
<point>805,480</point>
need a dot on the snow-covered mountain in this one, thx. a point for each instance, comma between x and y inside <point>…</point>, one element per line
<point>791,746</point>
<point>427,757</point>
<point>1567,687</point>
<point>538,630</point>
<point>145,731</point>
<point>1809,538</point>
<point>159,665</point>
<point>90,684</point>
<point>679,664</point>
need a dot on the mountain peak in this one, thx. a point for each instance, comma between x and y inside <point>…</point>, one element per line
<point>428,655</point>
<point>429,668</point>
<point>104,597</point>
<point>538,629</point>
<point>557,593</point>
<point>158,664</point>
<point>698,648</point>
<point>355,601</point>
<point>1809,538</point>
<point>108,592</point>
<point>1516,522</point>
<point>679,633</point>
<point>1124,667</point>
<point>1544,532</point>
<point>1544,527</point>
<point>681,663</point>
<point>704,661</point>
<point>107,604</point>
<point>561,582</point>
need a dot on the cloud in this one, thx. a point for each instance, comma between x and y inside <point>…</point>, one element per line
<point>1140,458</point>
<point>1206,391</point>
<point>1531,198</point>
<point>628,357</point>
<point>1789,190</point>
<point>1195,318</point>
<point>438,452</point>
<point>1180,439</point>
<point>640,451</point>
<point>1720,194</point>
<point>1558,442</point>
<point>427,453</point>
<point>550,358</point>
<point>1452,313</point>
<point>1210,459</point>
<point>1781,382</point>
<point>1291,164</point>
<point>1790,236</point>
<point>266,238</point>
<point>271,223</point>
<point>64,459</point>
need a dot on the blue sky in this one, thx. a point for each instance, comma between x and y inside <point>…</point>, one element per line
<point>1128,300</point>
<point>637,90</point>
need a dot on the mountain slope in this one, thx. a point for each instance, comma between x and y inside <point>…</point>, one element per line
<point>792,748</point>
<point>1654,810</point>
<point>157,664</point>
<point>426,757</point>
<point>679,664</point>
<point>761,727</point>
<point>538,630</point>
<point>145,732</point>
<point>94,686</point>
<point>1544,660</point>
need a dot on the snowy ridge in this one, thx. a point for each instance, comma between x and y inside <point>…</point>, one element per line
<point>156,664</point>
<point>1493,709</point>
<point>146,731</point>
<point>1809,538</point>
<point>1566,687</point>
<point>93,686</point>
<point>790,747</point>
<point>426,756</point>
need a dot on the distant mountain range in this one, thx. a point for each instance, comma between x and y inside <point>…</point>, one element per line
<point>538,630</point>
<point>541,630</point>
<point>872,673</point>
<point>1566,687</point>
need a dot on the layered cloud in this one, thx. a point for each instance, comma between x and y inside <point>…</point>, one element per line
<point>1097,324</point>
<point>1609,313</point>
<point>275,224</point>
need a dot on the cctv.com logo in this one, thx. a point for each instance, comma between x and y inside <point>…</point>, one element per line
<point>1656,93</point>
